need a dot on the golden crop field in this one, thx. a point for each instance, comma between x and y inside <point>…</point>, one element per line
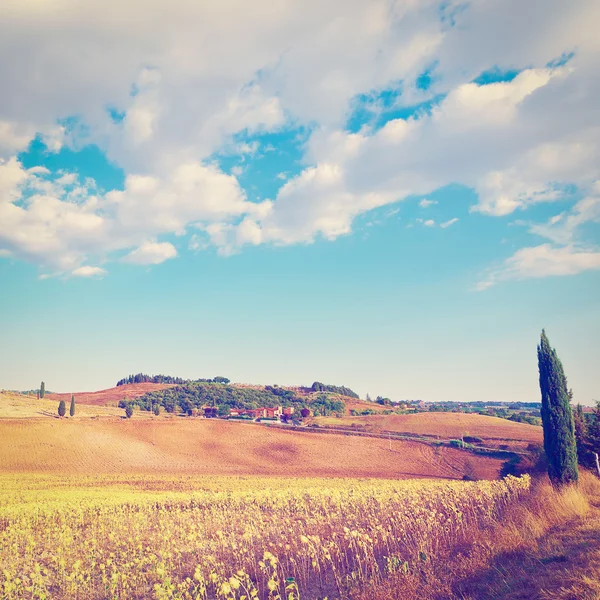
<point>191,537</point>
<point>446,425</point>
<point>153,445</point>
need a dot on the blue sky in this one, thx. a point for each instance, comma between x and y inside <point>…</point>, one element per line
<point>378,197</point>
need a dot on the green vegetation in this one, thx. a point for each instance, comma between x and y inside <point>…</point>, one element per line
<point>62,408</point>
<point>587,435</point>
<point>223,397</point>
<point>42,389</point>
<point>336,389</point>
<point>557,417</point>
<point>324,405</point>
<point>72,408</point>
<point>129,411</point>
<point>143,378</point>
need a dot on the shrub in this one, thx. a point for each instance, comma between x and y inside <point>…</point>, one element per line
<point>471,439</point>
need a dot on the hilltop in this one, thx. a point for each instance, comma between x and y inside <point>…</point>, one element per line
<point>112,396</point>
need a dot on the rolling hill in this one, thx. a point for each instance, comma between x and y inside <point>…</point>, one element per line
<point>206,446</point>
<point>111,396</point>
<point>446,425</point>
<point>21,406</point>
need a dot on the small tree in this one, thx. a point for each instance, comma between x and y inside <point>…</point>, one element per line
<point>72,408</point>
<point>581,437</point>
<point>557,417</point>
<point>62,408</point>
<point>42,389</point>
<point>305,412</point>
<point>156,409</point>
<point>129,411</point>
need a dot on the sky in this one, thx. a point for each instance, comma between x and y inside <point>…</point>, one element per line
<point>392,196</point>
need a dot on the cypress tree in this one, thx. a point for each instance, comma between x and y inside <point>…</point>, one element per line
<point>557,417</point>
<point>72,409</point>
<point>62,408</point>
<point>42,389</point>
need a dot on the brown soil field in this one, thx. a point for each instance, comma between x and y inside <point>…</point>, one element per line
<point>20,406</point>
<point>111,396</point>
<point>446,426</point>
<point>213,447</point>
<point>354,404</point>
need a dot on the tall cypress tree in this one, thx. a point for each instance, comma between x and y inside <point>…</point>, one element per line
<point>42,389</point>
<point>557,417</point>
<point>72,409</point>
<point>62,408</point>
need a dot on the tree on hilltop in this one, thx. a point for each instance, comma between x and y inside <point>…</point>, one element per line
<point>557,417</point>
<point>72,409</point>
<point>62,408</point>
<point>42,389</point>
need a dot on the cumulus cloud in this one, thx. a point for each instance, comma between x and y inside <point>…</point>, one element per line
<point>88,271</point>
<point>151,253</point>
<point>60,222</point>
<point>185,84</point>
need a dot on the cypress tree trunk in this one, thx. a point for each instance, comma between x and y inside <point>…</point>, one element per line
<point>557,417</point>
<point>72,409</point>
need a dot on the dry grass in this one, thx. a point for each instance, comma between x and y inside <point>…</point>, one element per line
<point>546,548</point>
<point>445,425</point>
<point>111,396</point>
<point>20,406</point>
<point>206,446</point>
<point>89,538</point>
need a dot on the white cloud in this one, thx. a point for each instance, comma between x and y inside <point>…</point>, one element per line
<point>14,137</point>
<point>88,271</point>
<point>203,74</point>
<point>151,253</point>
<point>417,156</point>
<point>425,203</point>
<point>542,261</point>
<point>429,223</point>
<point>563,228</point>
<point>449,223</point>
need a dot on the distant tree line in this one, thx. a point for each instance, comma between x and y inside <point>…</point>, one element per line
<point>317,386</point>
<point>143,378</point>
<point>223,397</point>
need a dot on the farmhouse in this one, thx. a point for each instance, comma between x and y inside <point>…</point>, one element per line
<point>267,412</point>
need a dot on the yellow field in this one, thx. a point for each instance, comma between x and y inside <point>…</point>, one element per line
<point>215,447</point>
<point>446,426</point>
<point>19,406</point>
<point>234,538</point>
